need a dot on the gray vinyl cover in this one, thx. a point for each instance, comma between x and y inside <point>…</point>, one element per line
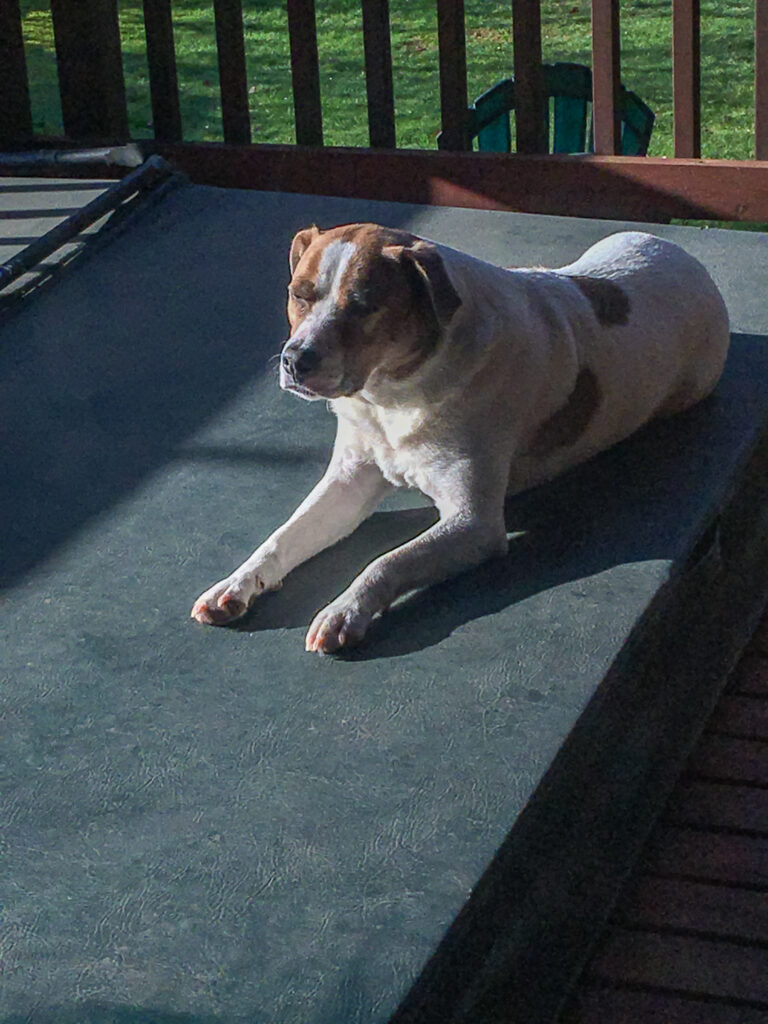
<point>212,825</point>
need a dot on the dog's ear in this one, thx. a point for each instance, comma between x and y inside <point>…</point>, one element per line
<point>301,242</point>
<point>425,264</point>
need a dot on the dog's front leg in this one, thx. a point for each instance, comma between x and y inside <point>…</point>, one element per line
<point>460,540</point>
<point>346,495</point>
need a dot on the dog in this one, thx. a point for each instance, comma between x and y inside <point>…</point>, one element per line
<point>470,382</point>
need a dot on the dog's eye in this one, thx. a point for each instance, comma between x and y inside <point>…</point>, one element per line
<point>302,303</point>
<point>360,306</point>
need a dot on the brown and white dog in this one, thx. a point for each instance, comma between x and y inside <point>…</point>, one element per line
<point>468,382</point>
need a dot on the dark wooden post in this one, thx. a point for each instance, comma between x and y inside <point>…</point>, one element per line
<point>233,77</point>
<point>761,79</point>
<point>15,113</point>
<point>606,75</point>
<point>453,73</point>
<point>305,71</point>
<point>687,77</point>
<point>163,82</point>
<point>90,65</point>
<point>378,73</point>
<point>530,124</point>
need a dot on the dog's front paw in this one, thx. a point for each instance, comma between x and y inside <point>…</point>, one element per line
<point>340,624</point>
<point>227,601</point>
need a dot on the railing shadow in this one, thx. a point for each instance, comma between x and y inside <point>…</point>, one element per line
<point>105,375</point>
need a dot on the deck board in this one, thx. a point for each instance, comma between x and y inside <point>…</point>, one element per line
<point>688,943</point>
<point>712,911</point>
<point>741,715</point>
<point>679,963</point>
<point>709,856</point>
<point>600,1005</point>
<point>721,758</point>
<point>715,805</point>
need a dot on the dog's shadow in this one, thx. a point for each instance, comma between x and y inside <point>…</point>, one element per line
<point>624,506</point>
<point>313,584</point>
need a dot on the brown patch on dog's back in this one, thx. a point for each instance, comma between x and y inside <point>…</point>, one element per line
<point>608,300</point>
<point>564,428</point>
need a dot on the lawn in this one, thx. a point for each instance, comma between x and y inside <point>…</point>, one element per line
<point>727,66</point>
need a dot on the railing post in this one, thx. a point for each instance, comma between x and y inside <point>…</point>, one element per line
<point>686,72</point>
<point>90,66</point>
<point>530,123</point>
<point>453,73</point>
<point>606,76</point>
<point>163,81</point>
<point>761,79</point>
<point>305,72</point>
<point>15,113</point>
<point>378,73</point>
<point>233,77</point>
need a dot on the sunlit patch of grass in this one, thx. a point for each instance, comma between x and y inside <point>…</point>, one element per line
<point>727,52</point>
<point>194,31</point>
<point>342,78</point>
<point>268,60</point>
<point>415,73</point>
<point>135,71</point>
<point>41,68</point>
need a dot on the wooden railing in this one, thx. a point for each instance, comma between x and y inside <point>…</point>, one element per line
<point>93,103</point>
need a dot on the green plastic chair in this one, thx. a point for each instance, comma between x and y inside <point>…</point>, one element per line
<point>569,87</point>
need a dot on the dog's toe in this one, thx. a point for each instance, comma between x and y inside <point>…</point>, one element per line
<point>233,606</point>
<point>214,615</point>
<point>219,606</point>
<point>335,627</point>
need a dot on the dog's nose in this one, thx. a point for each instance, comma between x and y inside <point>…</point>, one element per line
<point>300,362</point>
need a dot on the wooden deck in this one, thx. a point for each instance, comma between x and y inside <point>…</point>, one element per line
<point>688,943</point>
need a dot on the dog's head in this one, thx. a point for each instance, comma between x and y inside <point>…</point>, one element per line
<point>363,300</point>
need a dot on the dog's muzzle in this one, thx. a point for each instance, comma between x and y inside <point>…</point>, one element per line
<point>298,363</point>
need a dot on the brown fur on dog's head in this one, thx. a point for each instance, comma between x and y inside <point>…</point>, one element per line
<point>366,299</point>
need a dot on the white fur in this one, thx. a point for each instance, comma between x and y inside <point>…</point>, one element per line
<point>463,428</point>
<point>333,263</point>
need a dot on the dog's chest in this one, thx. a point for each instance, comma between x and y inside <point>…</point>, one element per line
<point>402,467</point>
<point>397,440</point>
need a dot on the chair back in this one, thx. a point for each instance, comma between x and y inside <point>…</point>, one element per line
<point>568,91</point>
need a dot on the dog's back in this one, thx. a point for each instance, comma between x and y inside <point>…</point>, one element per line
<point>650,330</point>
<point>673,299</point>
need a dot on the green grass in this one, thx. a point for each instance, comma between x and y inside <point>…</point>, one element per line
<point>727,27</point>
